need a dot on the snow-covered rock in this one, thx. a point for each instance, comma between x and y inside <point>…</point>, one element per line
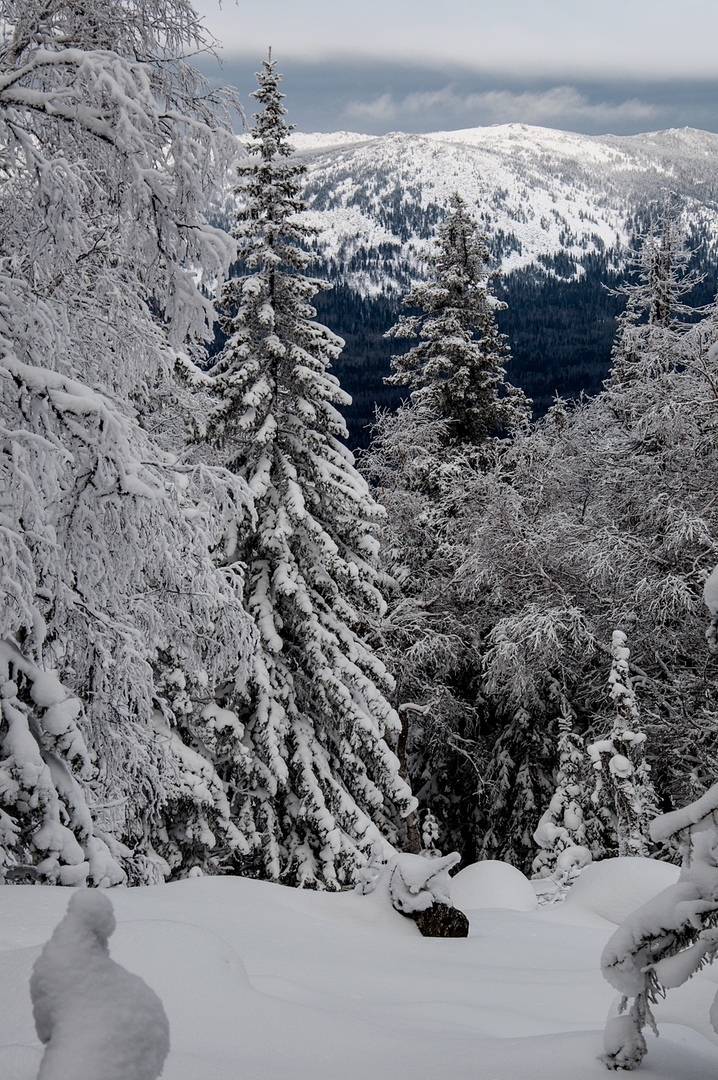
<point>414,883</point>
<point>492,884</point>
<point>98,1021</point>
<point>613,888</point>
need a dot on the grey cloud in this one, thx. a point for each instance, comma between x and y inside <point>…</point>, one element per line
<point>557,105</point>
<point>376,97</point>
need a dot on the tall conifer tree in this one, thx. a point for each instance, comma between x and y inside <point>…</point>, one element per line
<point>456,370</point>
<point>325,784</point>
<point>652,326</point>
<point>421,462</point>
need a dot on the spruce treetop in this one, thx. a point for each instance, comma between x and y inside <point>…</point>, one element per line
<point>271,187</point>
<point>272,375</point>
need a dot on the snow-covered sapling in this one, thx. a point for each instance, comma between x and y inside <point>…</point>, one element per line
<point>664,942</point>
<point>561,832</point>
<point>430,833</point>
<point>98,1022</point>
<point>623,773</point>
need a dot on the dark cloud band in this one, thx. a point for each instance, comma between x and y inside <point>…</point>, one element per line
<point>376,96</point>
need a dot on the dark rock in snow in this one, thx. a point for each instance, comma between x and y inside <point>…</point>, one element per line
<point>440,920</point>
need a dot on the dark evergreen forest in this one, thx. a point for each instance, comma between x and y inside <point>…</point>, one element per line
<point>560,332</point>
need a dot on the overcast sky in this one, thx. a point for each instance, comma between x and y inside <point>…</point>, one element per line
<point>619,66</point>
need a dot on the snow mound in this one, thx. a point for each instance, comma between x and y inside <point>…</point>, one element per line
<point>710,589</point>
<point>613,888</point>
<point>97,1020</point>
<point>492,884</point>
<point>415,883</point>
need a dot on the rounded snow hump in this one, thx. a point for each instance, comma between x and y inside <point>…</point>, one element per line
<point>492,884</point>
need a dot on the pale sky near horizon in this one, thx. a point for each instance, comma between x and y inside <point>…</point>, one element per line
<point>376,65</point>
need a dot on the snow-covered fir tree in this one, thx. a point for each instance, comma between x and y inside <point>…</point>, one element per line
<point>654,320</point>
<point>324,784</point>
<point>116,625</point>
<point>561,834</point>
<point>457,369</point>
<point>454,424</point>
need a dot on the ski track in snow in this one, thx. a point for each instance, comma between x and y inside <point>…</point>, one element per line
<point>266,982</point>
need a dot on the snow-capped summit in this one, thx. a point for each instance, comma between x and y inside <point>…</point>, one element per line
<point>540,194</point>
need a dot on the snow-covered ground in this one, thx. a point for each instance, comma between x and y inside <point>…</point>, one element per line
<point>266,983</point>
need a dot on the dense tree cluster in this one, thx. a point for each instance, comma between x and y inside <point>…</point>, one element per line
<point>199,669</point>
<point>157,592</point>
<point>599,518</point>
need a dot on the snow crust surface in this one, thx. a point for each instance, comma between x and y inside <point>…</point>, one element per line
<point>270,983</point>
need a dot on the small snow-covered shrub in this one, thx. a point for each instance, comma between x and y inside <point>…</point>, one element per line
<point>420,888</point>
<point>98,1021</point>
<point>663,943</point>
<point>412,882</point>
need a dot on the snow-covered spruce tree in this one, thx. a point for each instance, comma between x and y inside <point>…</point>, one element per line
<point>116,624</point>
<point>623,784</point>
<point>325,784</point>
<point>653,322</point>
<point>456,371</point>
<point>561,833</point>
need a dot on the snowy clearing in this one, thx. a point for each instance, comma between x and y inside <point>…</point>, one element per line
<point>267,982</point>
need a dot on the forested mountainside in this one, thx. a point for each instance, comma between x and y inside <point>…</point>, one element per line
<point>559,210</point>
<point>539,194</point>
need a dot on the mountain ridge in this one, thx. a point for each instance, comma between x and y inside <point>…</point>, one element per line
<point>561,212</point>
<point>537,191</point>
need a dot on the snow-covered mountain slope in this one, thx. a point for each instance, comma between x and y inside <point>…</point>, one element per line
<point>544,196</point>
